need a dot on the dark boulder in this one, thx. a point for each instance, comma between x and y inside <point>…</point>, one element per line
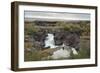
<point>71,39</point>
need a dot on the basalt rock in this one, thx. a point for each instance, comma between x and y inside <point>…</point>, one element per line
<point>71,39</point>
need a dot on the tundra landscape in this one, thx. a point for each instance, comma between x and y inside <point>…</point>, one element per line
<point>48,39</point>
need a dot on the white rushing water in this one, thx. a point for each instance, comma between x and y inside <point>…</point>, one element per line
<point>49,42</point>
<point>61,53</point>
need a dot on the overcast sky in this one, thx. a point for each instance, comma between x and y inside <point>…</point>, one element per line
<point>55,16</point>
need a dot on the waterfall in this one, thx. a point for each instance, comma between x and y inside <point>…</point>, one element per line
<point>49,42</point>
<point>60,53</point>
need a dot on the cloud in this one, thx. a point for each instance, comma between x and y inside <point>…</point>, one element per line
<point>55,16</point>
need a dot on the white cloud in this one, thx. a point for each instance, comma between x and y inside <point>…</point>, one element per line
<point>55,16</point>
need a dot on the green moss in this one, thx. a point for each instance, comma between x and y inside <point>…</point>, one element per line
<point>83,53</point>
<point>32,56</point>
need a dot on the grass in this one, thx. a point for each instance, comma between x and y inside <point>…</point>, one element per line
<point>35,56</point>
<point>83,53</point>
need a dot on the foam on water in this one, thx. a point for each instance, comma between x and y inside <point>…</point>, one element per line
<point>49,42</point>
<point>61,53</point>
